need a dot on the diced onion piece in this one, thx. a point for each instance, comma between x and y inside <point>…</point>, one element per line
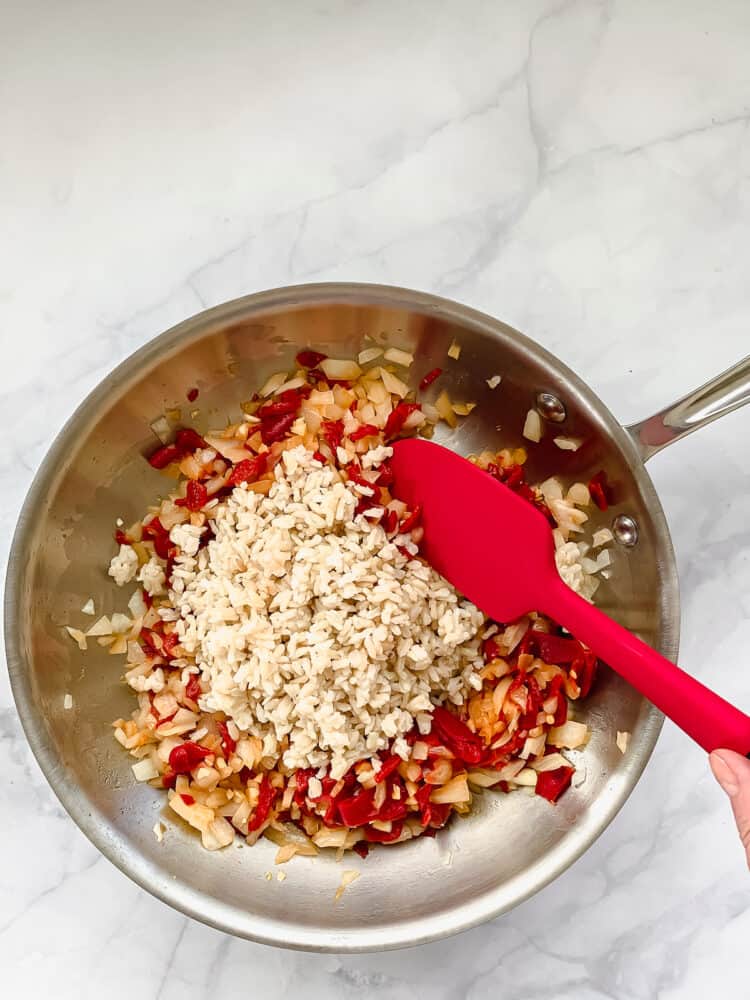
<point>456,790</point>
<point>393,384</point>
<point>532,428</point>
<point>328,837</point>
<point>68,702</point>
<point>377,392</point>
<point>159,829</point>
<point>568,443</point>
<point>229,448</point>
<point>340,369</point>
<point>414,420</point>
<point>119,646</point>
<point>120,623</point>
<point>293,383</point>
<point>579,494</point>
<point>533,747</point>
<point>399,357</point>
<point>313,419</point>
<point>570,735</point>
<point>347,877</point>
<point>454,351</point>
<point>444,408</point>
<point>369,354</point>
<point>272,384</point>
<point>483,778</point>
<point>88,608</point>
<point>162,429</point>
<point>550,763</point>
<point>145,770</point>
<point>102,626</point>
<point>602,537</point>
<point>622,741</point>
<point>494,382</point>
<point>527,777</point>
<point>137,605</point>
<point>463,409</point>
<point>78,637</point>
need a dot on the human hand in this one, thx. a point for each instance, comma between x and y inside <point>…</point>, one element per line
<point>732,771</point>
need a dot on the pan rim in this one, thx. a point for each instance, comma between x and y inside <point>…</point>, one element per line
<point>147,875</point>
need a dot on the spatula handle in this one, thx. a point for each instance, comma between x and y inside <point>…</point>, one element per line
<point>711,721</point>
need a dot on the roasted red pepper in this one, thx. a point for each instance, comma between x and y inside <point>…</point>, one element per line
<point>551,784</point>
<point>187,756</point>
<point>392,809</point>
<point>158,534</point>
<point>555,688</point>
<point>121,538</point>
<point>196,496</point>
<point>301,781</point>
<point>398,417</point>
<point>333,432</point>
<point>381,837</point>
<point>276,428</point>
<point>227,740</point>
<point>365,430</point>
<point>248,470</point>
<point>557,649</point>
<point>287,402</point>
<point>193,688</point>
<point>430,377</point>
<point>584,668</point>
<point>187,799</point>
<point>457,736</point>
<point>319,457</point>
<point>388,767</point>
<point>490,649</point>
<point>266,795</point>
<point>164,456</point>
<point>192,394</point>
<point>188,440</point>
<point>600,490</point>
<point>358,809</point>
<point>411,520</point>
<point>310,359</point>
<point>389,522</point>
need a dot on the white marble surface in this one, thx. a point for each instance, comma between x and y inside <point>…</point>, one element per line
<point>580,169</point>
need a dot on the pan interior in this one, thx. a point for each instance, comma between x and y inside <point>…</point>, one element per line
<point>95,473</point>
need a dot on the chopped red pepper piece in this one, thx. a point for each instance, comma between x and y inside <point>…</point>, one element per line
<point>192,394</point>
<point>392,809</point>
<point>490,649</point>
<point>187,799</point>
<point>411,520</point>
<point>457,736</point>
<point>600,490</point>
<point>196,496</point>
<point>121,538</point>
<point>227,740</point>
<point>188,440</point>
<point>193,688</point>
<point>187,756</point>
<point>584,668</point>
<point>275,428</point>
<point>310,359</point>
<point>266,795</point>
<point>248,470</point>
<point>333,432</point>
<point>381,836</point>
<point>164,456</point>
<point>555,649</point>
<point>301,781</point>
<point>398,417</point>
<point>430,377</point>
<point>287,402</point>
<point>388,767</point>
<point>556,689</point>
<point>551,784</point>
<point>365,430</point>
<point>158,534</point>
<point>359,809</point>
<point>319,457</point>
<point>362,849</point>
<point>389,522</point>
<point>385,475</point>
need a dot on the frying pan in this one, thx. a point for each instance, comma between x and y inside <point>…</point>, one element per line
<point>511,845</point>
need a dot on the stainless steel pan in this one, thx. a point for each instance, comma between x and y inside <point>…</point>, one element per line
<point>512,845</point>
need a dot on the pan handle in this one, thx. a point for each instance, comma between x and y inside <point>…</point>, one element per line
<point>721,395</point>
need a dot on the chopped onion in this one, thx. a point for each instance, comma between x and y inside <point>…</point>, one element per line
<point>120,623</point>
<point>393,384</point>
<point>137,605</point>
<point>602,537</point>
<point>145,770</point>
<point>340,370</point>
<point>570,735</point>
<point>229,448</point>
<point>622,741</point>
<point>377,392</point>
<point>549,763</point>
<point>68,702</point>
<point>77,635</point>
<point>161,427</point>
<point>579,494</point>
<point>88,608</point>
<point>526,777</point>
<point>494,382</point>
<point>454,791</point>
<point>399,357</point>
<point>483,778</point>
<point>454,351</point>
<point>347,877</point>
<point>463,409</point>
<point>293,383</point>
<point>102,626</point>
<point>532,428</point>
<point>272,384</point>
<point>567,443</point>
<point>444,408</point>
<point>414,420</point>
<point>369,354</point>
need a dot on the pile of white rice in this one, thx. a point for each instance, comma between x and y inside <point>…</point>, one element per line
<point>311,630</point>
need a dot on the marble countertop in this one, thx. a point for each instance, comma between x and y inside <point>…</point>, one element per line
<point>579,169</point>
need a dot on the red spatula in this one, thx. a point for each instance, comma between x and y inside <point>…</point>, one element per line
<point>498,551</point>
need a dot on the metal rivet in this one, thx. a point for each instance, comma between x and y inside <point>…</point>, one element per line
<point>550,407</point>
<point>625,530</point>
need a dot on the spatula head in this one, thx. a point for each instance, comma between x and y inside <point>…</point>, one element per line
<point>491,544</point>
